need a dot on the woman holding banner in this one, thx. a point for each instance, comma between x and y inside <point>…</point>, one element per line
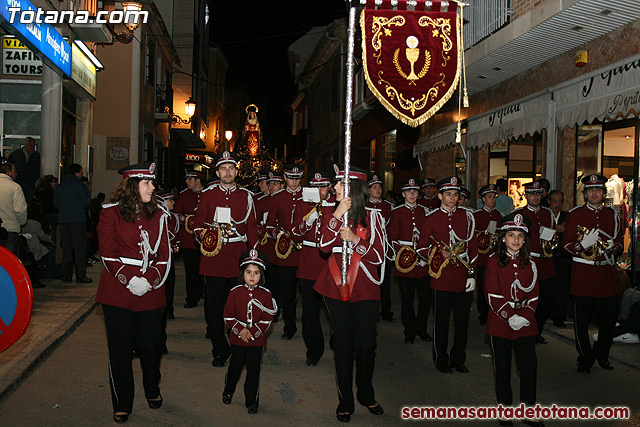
<point>354,307</point>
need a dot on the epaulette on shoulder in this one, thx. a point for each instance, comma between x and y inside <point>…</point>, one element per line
<point>209,187</point>
<point>263,195</point>
<point>236,286</point>
<point>110,205</point>
<point>433,211</point>
<point>248,191</point>
<point>397,207</point>
<point>389,203</point>
<point>184,190</point>
<point>326,203</point>
<point>544,207</point>
<point>575,207</point>
<point>278,192</point>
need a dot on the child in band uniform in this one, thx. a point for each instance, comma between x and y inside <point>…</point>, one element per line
<point>248,313</point>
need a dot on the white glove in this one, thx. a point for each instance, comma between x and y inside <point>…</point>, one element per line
<point>138,286</point>
<point>590,238</point>
<point>517,322</point>
<point>314,215</point>
<point>471,285</point>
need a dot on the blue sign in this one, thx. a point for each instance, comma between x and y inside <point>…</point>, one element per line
<point>40,38</point>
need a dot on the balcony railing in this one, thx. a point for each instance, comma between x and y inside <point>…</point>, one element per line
<point>483,18</point>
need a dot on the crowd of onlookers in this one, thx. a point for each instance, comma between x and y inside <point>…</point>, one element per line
<point>37,211</point>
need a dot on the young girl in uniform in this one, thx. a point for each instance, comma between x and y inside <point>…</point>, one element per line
<point>248,313</point>
<point>511,290</point>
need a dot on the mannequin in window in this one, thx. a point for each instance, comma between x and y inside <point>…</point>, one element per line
<point>614,189</point>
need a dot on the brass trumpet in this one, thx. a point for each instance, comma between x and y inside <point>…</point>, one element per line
<point>551,245</point>
<point>601,245</point>
<point>456,260</point>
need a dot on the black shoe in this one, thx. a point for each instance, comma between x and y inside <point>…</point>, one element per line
<point>584,368</point>
<point>219,361</point>
<point>120,418</point>
<point>155,404</point>
<point>461,368</point>
<point>387,317</point>
<point>207,336</point>
<point>189,305</point>
<point>505,422</point>
<point>444,369</point>
<point>226,398</point>
<point>409,340</point>
<point>605,364</point>
<point>559,324</point>
<point>344,417</point>
<point>533,423</point>
<point>84,280</point>
<point>311,362</point>
<point>171,316</point>
<point>425,337</point>
<point>376,409</point>
<point>164,349</point>
<point>287,335</point>
<point>252,409</point>
<point>541,340</point>
<point>68,279</point>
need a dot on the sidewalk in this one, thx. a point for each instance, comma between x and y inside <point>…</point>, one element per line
<point>57,310</point>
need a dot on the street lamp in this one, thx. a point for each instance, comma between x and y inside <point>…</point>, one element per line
<point>228,134</point>
<point>130,9</point>
<point>189,109</point>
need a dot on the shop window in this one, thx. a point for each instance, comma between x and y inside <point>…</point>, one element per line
<point>389,153</point>
<point>21,122</point>
<point>498,157</point>
<point>18,93</point>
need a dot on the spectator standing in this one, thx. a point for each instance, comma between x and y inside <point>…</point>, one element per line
<point>504,203</point>
<point>13,207</point>
<point>72,199</point>
<point>27,163</point>
<point>44,195</point>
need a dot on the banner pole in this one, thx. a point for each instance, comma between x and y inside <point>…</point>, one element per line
<point>347,131</point>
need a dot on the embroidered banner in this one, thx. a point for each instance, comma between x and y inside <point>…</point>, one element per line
<point>412,61</point>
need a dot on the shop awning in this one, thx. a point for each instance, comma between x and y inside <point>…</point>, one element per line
<point>511,121</point>
<point>188,138</point>
<point>436,140</point>
<point>607,95</point>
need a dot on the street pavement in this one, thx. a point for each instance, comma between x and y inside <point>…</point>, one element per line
<point>57,373</point>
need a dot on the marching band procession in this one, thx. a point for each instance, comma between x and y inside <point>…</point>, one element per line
<point>247,255</point>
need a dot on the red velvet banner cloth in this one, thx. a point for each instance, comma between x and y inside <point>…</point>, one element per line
<point>412,62</point>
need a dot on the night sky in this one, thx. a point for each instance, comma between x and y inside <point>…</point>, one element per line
<point>254,37</point>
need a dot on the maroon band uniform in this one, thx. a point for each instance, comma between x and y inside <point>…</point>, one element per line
<point>593,281</point>
<point>187,204</point>
<point>483,217</point>
<point>403,229</point>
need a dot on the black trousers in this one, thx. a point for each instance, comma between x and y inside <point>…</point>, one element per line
<point>632,324</point>
<point>191,258</point>
<point>216,291</point>
<point>606,310</point>
<point>272,283</point>
<point>546,300</point>
<point>481,300</point>
<point>251,357</point>
<point>562,264</point>
<point>525,351</point>
<point>288,293</point>
<point>353,325</point>
<point>311,326</point>
<point>385,288</point>
<point>444,302</point>
<point>73,239</point>
<point>169,287</point>
<point>414,324</point>
<point>128,330</point>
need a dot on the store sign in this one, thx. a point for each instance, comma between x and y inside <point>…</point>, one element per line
<point>18,60</point>
<point>42,38</point>
<point>202,159</point>
<point>83,71</point>
<point>608,95</point>
<point>509,121</point>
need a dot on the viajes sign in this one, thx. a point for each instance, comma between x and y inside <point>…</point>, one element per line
<point>18,59</point>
